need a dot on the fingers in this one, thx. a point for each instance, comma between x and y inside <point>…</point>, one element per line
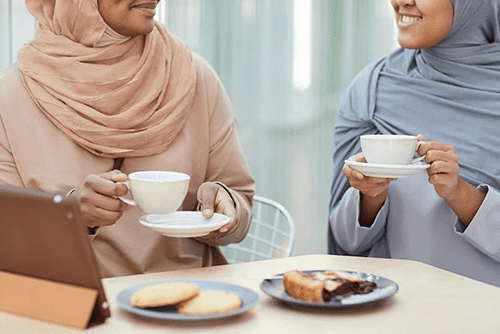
<point>207,194</point>
<point>97,198</point>
<point>360,157</point>
<point>372,186</point>
<point>421,137</point>
<point>108,184</point>
<point>98,216</point>
<point>434,150</point>
<point>441,157</point>
<point>213,198</point>
<point>444,170</point>
<point>421,140</point>
<point>118,176</point>
<point>443,152</point>
<point>351,172</point>
<point>367,185</point>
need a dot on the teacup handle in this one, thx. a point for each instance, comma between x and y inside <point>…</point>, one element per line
<point>126,200</point>
<point>420,158</point>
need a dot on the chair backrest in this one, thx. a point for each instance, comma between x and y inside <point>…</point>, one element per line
<point>271,234</point>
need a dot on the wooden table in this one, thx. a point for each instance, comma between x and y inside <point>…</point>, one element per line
<point>429,300</point>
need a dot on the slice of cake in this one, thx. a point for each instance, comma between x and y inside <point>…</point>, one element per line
<point>303,286</point>
<point>323,286</point>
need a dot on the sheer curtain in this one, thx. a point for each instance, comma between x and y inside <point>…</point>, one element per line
<point>285,65</point>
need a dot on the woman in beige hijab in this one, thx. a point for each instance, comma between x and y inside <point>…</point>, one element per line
<point>103,90</point>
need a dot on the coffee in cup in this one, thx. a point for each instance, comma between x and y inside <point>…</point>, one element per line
<point>157,192</point>
<point>389,149</point>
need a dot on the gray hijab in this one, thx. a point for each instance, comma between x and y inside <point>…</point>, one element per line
<point>449,93</point>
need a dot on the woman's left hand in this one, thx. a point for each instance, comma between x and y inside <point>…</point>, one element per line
<point>213,198</point>
<point>443,172</point>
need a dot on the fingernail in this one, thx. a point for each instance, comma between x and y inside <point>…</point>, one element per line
<point>223,230</point>
<point>207,212</point>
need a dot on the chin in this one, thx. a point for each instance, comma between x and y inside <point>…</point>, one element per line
<point>148,30</point>
<point>410,43</point>
<point>417,41</point>
<point>408,46</point>
<point>139,30</point>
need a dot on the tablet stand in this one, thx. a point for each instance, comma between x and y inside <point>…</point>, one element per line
<point>52,301</point>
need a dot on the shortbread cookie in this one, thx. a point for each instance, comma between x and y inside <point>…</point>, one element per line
<point>210,301</point>
<point>163,294</point>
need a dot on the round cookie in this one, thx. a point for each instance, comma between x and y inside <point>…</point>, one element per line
<point>163,294</point>
<point>210,301</point>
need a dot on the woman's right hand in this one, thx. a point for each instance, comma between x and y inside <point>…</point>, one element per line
<point>373,191</point>
<point>97,198</point>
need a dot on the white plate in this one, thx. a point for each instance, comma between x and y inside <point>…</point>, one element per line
<point>184,224</point>
<point>248,297</point>
<point>388,171</point>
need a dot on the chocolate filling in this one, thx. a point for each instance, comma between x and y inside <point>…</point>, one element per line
<point>347,288</point>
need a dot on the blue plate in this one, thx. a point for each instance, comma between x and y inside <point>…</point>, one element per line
<point>385,288</point>
<point>249,299</point>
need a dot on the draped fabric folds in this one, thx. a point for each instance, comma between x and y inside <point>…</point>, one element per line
<point>115,96</point>
<point>449,93</point>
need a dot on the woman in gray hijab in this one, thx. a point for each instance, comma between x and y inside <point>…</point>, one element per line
<point>444,83</point>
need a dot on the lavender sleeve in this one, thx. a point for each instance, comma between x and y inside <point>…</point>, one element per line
<point>484,231</point>
<point>350,237</point>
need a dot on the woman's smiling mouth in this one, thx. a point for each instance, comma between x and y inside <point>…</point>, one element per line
<point>148,8</point>
<point>405,20</point>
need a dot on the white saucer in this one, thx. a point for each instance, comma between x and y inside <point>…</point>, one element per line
<point>388,171</point>
<point>184,224</point>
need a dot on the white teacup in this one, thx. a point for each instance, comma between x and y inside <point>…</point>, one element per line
<point>390,149</point>
<point>157,192</point>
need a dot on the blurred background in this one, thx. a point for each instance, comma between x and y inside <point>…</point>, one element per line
<point>285,65</point>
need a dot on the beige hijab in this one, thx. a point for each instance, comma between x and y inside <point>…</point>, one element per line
<point>115,96</point>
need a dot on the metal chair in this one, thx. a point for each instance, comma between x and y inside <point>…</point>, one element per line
<point>271,234</point>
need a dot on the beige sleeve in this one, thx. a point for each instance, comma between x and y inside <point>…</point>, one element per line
<point>227,163</point>
<point>9,175</point>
